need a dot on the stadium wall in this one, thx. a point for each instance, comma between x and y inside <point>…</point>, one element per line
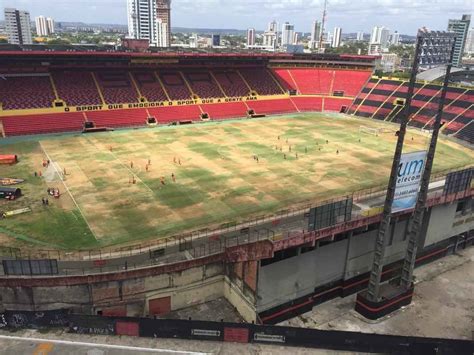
<point>257,281</point>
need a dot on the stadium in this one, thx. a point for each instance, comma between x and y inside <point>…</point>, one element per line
<point>150,182</point>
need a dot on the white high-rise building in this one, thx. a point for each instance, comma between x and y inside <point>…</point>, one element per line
<point>44,26</point>
<point>460,28</point>
<point>150,19</point>
<point>270,36</point>
<point>50,22</point>
<point>295,38</point>
<point>379,39</point>
<point>17,26</point>
<point>336,38</point>
<point>287,34</point>
<point>469,49</point>
<point>251,37</point>
<point>395,39</point>
<point>360,36</point>
<point>315,35</point>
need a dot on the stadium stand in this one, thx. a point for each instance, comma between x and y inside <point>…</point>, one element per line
<point>116,87</point>
<point>26,91</point>
<point>350,82</point>
<point>261,81</point>
<point>118,118</point>
<point>203,84</point>
<point>169,114</point>
<point>272,106</point>
<point>312,81</point>
<point>308,103</point>
<point>175,85</point>
<point>376,100</point>
<point>231,83</point>
<point>41,124</point>
<point>337,105</point>
<point>149,86</point>
<point>227,110</point>
<point>76,88</point>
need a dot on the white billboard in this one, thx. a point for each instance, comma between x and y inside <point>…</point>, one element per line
<point>410,172</point>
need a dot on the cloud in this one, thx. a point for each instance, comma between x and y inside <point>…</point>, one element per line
<point>351,15</point>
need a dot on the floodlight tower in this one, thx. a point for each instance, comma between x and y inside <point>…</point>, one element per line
<point>432,49</point>
<point>323,22</point>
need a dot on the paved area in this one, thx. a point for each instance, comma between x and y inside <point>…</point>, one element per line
<point>34,343</point>
<point>443,305</point>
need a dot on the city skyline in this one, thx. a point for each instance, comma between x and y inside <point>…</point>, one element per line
<point>256,14</point>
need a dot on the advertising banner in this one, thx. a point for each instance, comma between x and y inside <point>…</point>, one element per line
<point>410,172</point>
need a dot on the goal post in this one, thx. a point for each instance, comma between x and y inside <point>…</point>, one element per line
<point>374,130</point>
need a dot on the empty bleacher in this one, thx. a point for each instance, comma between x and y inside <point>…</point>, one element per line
<point>76,88</point>
<point>42,123</point>
<point>231,83</point>
<point>175,85</point>
<point>336,105</point>
<point>272,106</point>
<point>350,82</point>
<point>376,100</point>
<point>116,86</point>
<point>26,91</point>
<point>227,110</point>
<point>261,81</point>
<point>203,84</point>
<point>308,103</point>
<point>149,86</point>
<point>118,118</point>
<point>169,114</point>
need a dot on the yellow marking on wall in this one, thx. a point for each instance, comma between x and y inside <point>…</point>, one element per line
<point>136,86</point>
<point>188,85</point>
<point>455,118</point>
<point>53,85</point>
<point>218,84</point>
<point>245,81</point>
<point>275,80</point>
<point>449,105</point>
<point>162,85</point>
<point>98,88</point>
<point>388,98</point>
<point>365,98</point>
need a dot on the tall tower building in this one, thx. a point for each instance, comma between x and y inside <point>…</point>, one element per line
<point>17,26</point>
<point>44,26</point>
<point>251,37</point>
<point>379,40</point>
<point>336,38</point>
<point>315,35</point>
<point>360,36</point>
<point>270,36</point>
<point>150,19</point>
<point>469,49</point>
<point>460,28</point>
<point>287,34</point>
<point>395,39</point>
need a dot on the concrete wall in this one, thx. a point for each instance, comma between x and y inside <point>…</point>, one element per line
<point>291,278</point>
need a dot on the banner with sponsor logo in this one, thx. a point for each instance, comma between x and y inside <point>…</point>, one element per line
<point>410,172</point>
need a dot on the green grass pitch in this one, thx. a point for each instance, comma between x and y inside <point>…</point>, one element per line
<point>218,178</point>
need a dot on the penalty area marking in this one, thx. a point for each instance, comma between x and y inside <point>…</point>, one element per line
<point>98,345</point>
<point>125,166</point>
<point>67,189</point>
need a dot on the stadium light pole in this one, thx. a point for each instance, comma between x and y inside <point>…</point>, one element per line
<point>373,289</point>
<point>439,44</point>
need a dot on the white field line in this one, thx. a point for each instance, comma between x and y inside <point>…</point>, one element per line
<point>125,166</point>
<point>98,345</point>
<point>68,191</point>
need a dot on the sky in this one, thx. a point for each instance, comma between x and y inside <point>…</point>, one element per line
<point>405,16</point>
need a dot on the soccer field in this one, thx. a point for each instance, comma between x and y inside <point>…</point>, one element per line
<point>224,172</point>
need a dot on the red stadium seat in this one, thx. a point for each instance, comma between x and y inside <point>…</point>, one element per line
<point>225,110</point>
<point>42,124</point>
<point>231,83</point>
<point>261,81</point>
<point>118,118</point>
<point>26,91</point>
<point>117,87</point>
<point>76,88</point>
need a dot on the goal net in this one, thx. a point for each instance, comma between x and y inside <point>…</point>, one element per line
<point>370,130</point>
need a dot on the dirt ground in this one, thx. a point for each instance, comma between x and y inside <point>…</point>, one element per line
<point>154,183</point>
